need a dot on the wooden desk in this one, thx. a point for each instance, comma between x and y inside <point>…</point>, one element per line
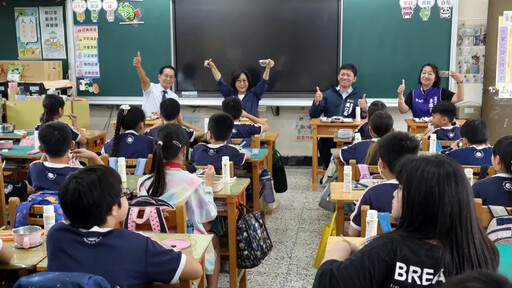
<point>247,121</point>
<point>340,197</point>
<point>16,136</point>
<point>420,127</point>
<point>95,139</point>
<point>270,138</point>
<point>20,152</point>
<point>255,162</point>
<point>149,123</point>
<point>359,241</point>
<point>24,260</point>
<point>325,130</point>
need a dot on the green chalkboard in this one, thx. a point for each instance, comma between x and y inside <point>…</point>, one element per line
<point>118,44</point>
<point>387,48</point>
<point>8,49</point>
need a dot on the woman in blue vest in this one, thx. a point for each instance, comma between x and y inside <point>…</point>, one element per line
<point>421,100</point>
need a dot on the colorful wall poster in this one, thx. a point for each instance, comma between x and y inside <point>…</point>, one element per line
<point>504,59</point>
<point>52,32</point>
<point>302,129</point>
<point>86,51</point>
<point>27,33</point>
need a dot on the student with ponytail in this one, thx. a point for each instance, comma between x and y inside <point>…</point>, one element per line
<point>53,110</point>
<point>169,182</point>
<point>129,141</point>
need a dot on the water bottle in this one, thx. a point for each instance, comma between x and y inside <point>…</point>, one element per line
<point>121,169</point>
<point>433,144</point>
<point>358,114</point>
<point>225,169</point>
<point>190,227</point>
<point>347,179</point>
<point>371,224</point>
<point>36,139</point>
<point>469,175</point>
<point>48,217</point>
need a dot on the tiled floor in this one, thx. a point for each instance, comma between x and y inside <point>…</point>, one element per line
<point>295,228</point>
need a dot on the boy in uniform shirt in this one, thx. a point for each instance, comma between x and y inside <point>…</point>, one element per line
<point>443,117</point>
<point>94,203</point>
<point>55,143</point>
<point>475,148</point>
<point>170,113</point>
<point>220,126</point>
<point>233,107</point>
<point>364,129</point>
<point>391,148</point>
<point>381,123</point>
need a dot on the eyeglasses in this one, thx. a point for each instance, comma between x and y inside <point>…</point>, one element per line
<point>125,192</point>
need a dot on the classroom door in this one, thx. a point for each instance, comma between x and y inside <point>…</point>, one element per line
<point>497,113</point>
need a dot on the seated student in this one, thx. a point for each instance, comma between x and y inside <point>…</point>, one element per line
<point>55,142</point>
<point>220,126</point>
<point>170,113</point>
<point>478,279</point>
<point>497,190</point>
<point>233,107</point>
<point>364,129</point>
<point>94,202</point>
<point>128,140</point>
<point>390,149</point>
<point>438,234</point>
<point>53,110</point>
<point>443,117</point>
<point>169,182</point>
<point>381,124</point>
<point>475,147</point>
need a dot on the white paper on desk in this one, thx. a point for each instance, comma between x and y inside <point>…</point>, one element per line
<point>255,151</point>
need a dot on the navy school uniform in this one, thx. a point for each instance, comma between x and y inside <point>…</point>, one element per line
<point>364,131</point>
<point>356,151</point>
<point>470,155</point>
<point>48,176</point>
<point>450,133</point>
<point>245,130</point>
<point>191,134</point>
<point>496,190</point>
<point>75,135</point>
<point>378,197</point>
<point>132,145</point>
<point>211,154</point>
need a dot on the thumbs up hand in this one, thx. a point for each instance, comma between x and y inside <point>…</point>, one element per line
<point>318,96</point>
<point>401,89</point>
<point>362,102</point>
<point>137,60</point>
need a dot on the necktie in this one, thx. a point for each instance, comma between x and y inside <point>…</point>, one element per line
<point>164,94</point>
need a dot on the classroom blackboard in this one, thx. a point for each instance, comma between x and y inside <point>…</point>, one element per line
<point>387,48</point>
<point>8,48</point>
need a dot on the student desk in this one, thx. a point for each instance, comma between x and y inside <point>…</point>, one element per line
<point>24,260</point>
<point>16,136</point>
<point>149,123</point>
<point>20,152</point>
<point>325,130</point>
<point>95,139</point>
<point>270,138</point>
<point>341,197</point>
<point>255,162</point>
<point>505,266</point>
<point>420,127</point>
<point>359,241</point>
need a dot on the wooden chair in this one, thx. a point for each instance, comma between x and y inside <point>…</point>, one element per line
<point>255,142</point>
<point>364,213</point>
<point>425,143</point>
<point>34,210</point>
<point>176,219</point>
<point>477,169</point>
<point>231,169</point>
<point>356,175</point>
<point>130,163</point>
<point>483,212</point>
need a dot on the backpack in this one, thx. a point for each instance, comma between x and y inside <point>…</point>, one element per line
<point>500,227</point>
<point>41,198</point>
<point>153,211</point>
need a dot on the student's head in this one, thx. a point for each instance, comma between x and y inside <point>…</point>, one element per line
<point>380,124</point>
<point>167,76</point>
<point>128,118</point>
<point>478,279</point>
<point>474,132</point>
<point>443,114</point>
<point>502,155</point>
<point>393,147</point>
<point>241,81</point>
<point>347,74</point>
<point>53,108</point>
<point>375,106</point>
<point>171,145</point>
<point>429,75</point>
<point>434,202</point>
<point>220,126</point>
<point>233,107</point>
<point>55,139</point>
<point>170,109</point>
<point>91,195</point>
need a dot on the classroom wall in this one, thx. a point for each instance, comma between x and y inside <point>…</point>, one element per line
<point>469,10</point>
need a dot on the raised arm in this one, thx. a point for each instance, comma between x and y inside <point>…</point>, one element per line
<point>254,119</point>
<point>144,80</point>
<point>459,96</point>
<point>198,132</point>
<point>270,64</point>
<point>74,121</point>
<point>209,64</point>
<point>402,107</point>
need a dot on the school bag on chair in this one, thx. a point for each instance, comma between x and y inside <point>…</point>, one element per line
<point>153,212</point>
<point>278,172</point>
<point>500,227</point>
<point>41,198</point>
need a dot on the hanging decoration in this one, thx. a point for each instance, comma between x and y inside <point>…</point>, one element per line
<point>130,14</point>
<point>110,7</point>
<point>426,6</point>
<point>28,38</point>
<point>94,6</point>
<point>445,8</point>
<point>79,7</point>
<point>407,8</point>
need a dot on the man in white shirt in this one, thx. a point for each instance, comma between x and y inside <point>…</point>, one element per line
<point>155,93</point>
